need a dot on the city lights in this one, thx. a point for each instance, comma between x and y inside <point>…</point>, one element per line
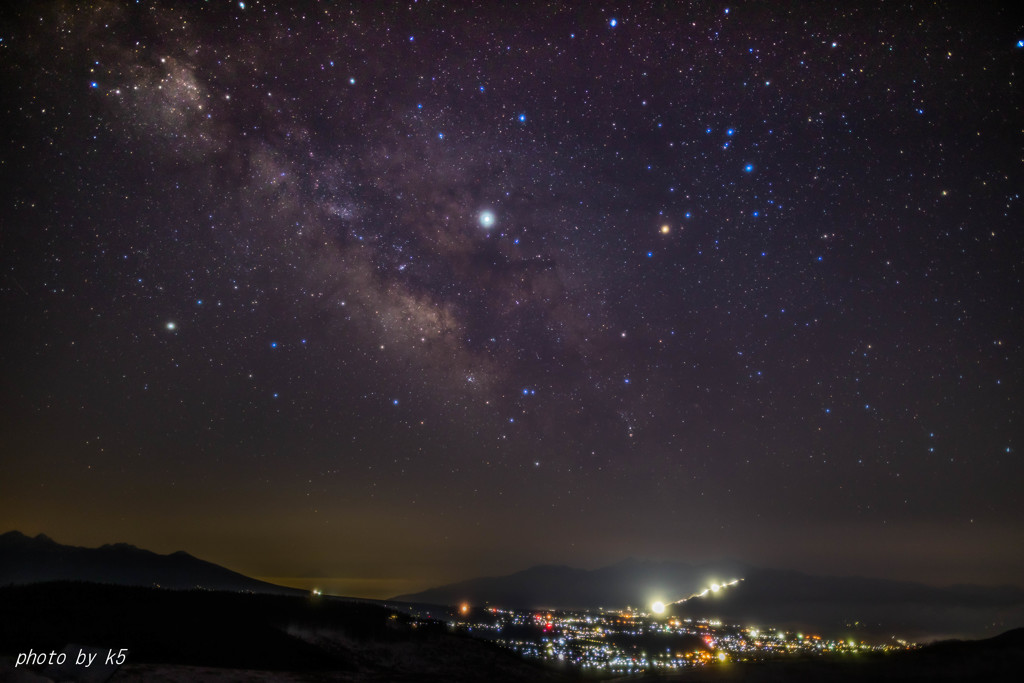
<point>604,641</point>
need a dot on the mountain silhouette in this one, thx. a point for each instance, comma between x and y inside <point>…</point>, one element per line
<point>846,606</point>
<point>25,560</point>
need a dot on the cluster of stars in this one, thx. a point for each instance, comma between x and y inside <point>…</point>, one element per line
<point>590,241</point>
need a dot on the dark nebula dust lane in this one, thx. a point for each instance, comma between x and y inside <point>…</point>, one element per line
<point>426,291</point>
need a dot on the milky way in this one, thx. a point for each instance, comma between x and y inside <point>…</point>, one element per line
<point>429,291</point>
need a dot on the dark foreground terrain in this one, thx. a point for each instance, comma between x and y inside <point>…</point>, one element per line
<point>219,636</point>
<point>205,635</point>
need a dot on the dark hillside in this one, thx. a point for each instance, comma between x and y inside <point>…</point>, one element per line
<point>247,631</point>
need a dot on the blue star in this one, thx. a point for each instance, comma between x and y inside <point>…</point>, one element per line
<point>650,254</point>
<point>394,401</point>
<point>273,345</point>
<point>730,131</point>
<point>522,118</point>
<point>748,168</point>
<point>1020,43</point>
<point>613,23</point>
<point>94,84</point>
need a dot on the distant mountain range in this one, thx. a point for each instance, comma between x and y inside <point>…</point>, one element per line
<point>25,559</point>
<point>630,582</point>
<point>767,597</point>
<point>784,599</point>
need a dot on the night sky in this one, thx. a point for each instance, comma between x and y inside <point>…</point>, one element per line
<point>380,298</point>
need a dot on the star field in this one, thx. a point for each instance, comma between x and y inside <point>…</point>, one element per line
<point>423,292</point>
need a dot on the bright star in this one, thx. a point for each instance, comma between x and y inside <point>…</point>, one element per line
<point>171,326</point>
<point>487,219</point>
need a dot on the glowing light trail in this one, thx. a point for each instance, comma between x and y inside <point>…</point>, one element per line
<point>713,588</point>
